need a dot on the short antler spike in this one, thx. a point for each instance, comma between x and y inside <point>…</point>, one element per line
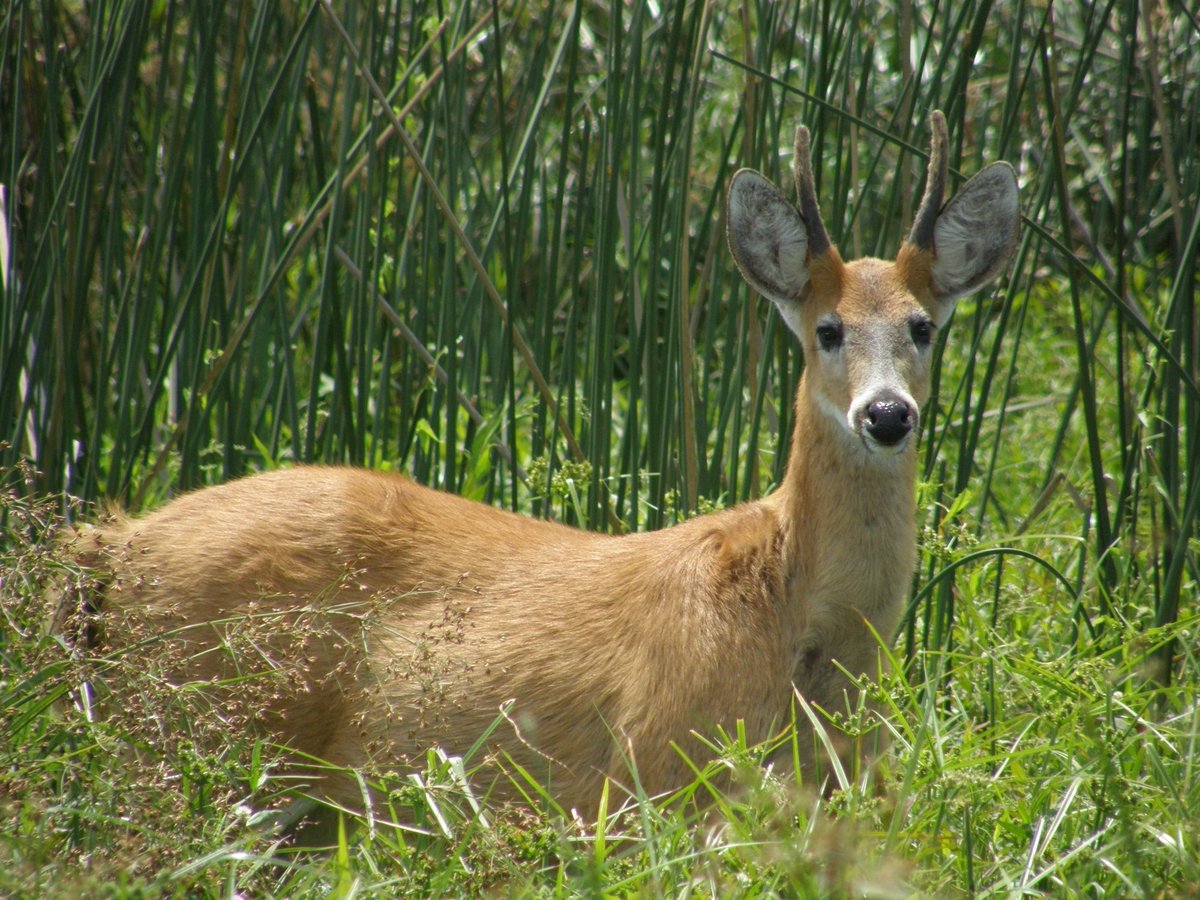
<point>921,234</point>
<point>806,191</point>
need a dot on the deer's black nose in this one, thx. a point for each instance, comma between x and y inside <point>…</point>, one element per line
<point>889,421</point>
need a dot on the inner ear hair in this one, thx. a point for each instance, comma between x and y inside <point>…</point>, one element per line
<point>767,238</point>
<point>976,233</point>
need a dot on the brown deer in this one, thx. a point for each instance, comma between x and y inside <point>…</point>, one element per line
<point>389,617</point>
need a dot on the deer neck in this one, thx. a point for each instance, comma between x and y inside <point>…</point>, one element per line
<point>849,514</point>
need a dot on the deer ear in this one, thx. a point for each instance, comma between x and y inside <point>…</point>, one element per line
<point>768,240</point>
<point>975,234</point>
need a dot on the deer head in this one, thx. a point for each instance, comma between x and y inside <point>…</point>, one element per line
<point>867,327</point>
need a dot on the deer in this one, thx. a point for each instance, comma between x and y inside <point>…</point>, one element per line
<point>393,618</point>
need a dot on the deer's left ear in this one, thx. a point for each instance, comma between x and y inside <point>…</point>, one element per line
<point>975,234</point>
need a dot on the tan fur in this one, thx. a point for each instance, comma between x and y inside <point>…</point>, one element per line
<point>441,610</point>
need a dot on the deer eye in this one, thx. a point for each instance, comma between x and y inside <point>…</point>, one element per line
<point>921,329</point>
<point>829,336</point>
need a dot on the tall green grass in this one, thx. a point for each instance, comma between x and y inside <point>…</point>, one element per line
<point>482,243</point>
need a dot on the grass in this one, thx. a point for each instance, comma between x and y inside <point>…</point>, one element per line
<point>222,252</point>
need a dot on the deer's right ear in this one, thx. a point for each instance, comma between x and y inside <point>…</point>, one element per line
<point>768,240</point>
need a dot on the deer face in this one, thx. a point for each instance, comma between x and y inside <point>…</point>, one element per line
<point>867,327</point>
<point>868,342</point>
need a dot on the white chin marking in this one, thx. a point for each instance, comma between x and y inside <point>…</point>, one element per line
<point>885,450</point>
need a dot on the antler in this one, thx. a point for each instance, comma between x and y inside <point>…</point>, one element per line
<point>921,234</point>
<point>818,239</point>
